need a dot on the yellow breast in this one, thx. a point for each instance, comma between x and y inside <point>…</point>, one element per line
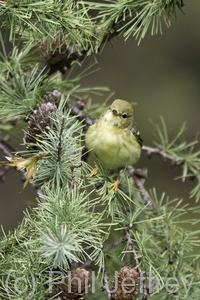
<point>114,147</point>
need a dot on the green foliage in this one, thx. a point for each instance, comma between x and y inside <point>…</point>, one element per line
<point>182,153</point>
<point>21,88</point>
<point>24,83</point>
<point>41,20</point>
<point>78,221</point>
<point>63,142</point>
<point>69,227</point>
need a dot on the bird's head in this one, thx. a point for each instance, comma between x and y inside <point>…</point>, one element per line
<point>120,114</point>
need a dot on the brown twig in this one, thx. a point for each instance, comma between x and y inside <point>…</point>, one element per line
<point>60,137</point>
<point>71,185</point>
<point>4,147</point>
<point>130,247</point>
<point>115,27</point>
<point>105,286</point>
<point>143,192</point>
<point>7,149</point>
<point>76,111</point>
<point>55,96</point>
<point>163,154</point>
<point>137,174</point>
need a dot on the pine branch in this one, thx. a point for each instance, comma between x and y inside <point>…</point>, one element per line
<point>130,247</point>
<point>163,154</point>
<point>120,17</point>
<point>7,149</point>
<point>67,33</point>
<point>137,175</point>
<point>60,136</point>
<point>105,286</point>
<point>76,111</point>
<point>71,54</point>
<point>73,175</point>
<point>143,192</point>
<point>69,228</point>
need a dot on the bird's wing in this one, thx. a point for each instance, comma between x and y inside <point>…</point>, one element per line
<point>136,133</point>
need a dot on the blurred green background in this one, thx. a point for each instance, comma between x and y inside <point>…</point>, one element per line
<point>162,75</point>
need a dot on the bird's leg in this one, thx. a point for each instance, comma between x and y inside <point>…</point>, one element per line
<point>114,186</point>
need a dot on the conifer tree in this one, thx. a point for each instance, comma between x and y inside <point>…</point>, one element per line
<point>82,241</point>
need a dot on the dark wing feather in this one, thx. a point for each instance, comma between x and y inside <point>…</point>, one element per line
<point>137,135</point>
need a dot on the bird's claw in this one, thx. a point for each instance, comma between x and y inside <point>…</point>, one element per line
<point>94,172</point>
<point>114,186</point>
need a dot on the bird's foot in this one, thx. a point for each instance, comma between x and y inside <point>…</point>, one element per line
<point>94,172</point>
<point>114,186</point>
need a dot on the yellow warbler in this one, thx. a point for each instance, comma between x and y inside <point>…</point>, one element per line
<point>113,138</point>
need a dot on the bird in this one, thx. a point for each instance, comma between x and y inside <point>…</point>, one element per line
<point>113,139</point>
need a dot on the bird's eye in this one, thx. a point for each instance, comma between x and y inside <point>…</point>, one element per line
<point>124,116</point>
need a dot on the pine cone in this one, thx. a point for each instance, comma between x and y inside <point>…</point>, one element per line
<point>57,52</point>
<point>38,121</point>
<point>125,285</point>
<point>60,54</point>
<point>75,285</point>
<point>53,97</point>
